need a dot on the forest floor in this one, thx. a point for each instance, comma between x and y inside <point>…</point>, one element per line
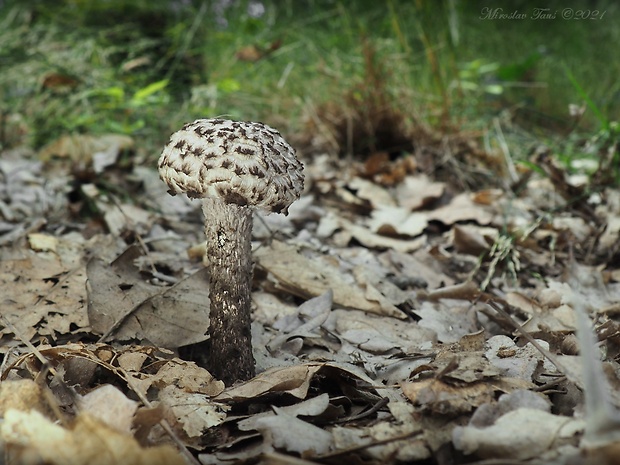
<point>417,309</point>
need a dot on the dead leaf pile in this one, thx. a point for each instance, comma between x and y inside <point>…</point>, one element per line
<point>400,321</point>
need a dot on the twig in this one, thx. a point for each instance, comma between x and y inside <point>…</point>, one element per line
<point>28,344</point>
<point>552,358</point>
<point>375,408</point>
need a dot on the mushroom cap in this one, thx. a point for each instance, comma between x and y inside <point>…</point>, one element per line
<point>243,163</point>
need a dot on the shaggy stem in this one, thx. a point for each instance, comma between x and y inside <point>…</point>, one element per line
<point>228,228</point>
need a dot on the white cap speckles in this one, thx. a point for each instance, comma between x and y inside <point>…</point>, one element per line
<point>244,163</point>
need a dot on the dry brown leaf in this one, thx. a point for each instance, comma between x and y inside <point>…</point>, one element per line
<point>397,221</point>
<point>43,295</point>
<point>376,241</point>
<point>559,319</point>
<point>375,334</point>
<point>462,208</point>
<point>189,377</point>
<point>417,192</point>
<point>520,434</point>
<point>120,300</point>
<point>190,413</point>
<point>284,431</point>
<point>450,323</point>
<point>294,380</point>
<point>378,196</point>
<point>43,242</point>
<point>110,406</point>
<point>87,152</point>
<point>32,438</point>
<point>439,397</point>
<point>22,394</point>
<point>472,240</point>
<point>306,277</point>
<point>515,361</point>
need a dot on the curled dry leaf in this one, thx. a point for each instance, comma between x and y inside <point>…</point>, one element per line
<point>294,380</point>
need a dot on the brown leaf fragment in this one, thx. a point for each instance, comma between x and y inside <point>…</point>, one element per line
<point>189,377</point>
<point>110,406</point>
<point>487,414</point>
<point>285,431</point>
<point>450,323</point>
<point>122,303</point>
<point>43,242</point>
<point>439,397</point>
<point>487,196</point>
<point>520,434</point>
<point>42,295</point>
<point>306,277</point>
<point>308,408</point>
<point>515,361</point>
<point>85,152</point>
<point>294,380</point>
<point>191,413</point>
<point>462,208</point>
<point>377,241</point>
<point>462,291</point>
<point>470,240</point>
<point>23,395</point>
<point>558,319</point>
<point>417,192</point>
<point>31,438</point>
<point>375,194</point>
<point>397,222</point>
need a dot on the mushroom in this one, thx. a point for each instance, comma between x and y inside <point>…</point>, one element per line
<point>233,167</point>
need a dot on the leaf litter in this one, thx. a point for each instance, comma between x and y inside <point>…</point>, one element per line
<point>396,319</point>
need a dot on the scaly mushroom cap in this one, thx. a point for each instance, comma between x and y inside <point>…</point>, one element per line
<point>239,162</point>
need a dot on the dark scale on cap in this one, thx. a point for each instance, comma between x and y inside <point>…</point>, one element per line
<point>232,197</point>
<point>244,150</point>
<point>256,171</point>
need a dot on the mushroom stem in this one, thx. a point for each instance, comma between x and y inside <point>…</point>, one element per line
<point>228,228</point>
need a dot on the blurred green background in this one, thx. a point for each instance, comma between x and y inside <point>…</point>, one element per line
<point>341,76</point>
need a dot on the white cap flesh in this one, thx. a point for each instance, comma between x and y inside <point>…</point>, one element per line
<point>243,163</point>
